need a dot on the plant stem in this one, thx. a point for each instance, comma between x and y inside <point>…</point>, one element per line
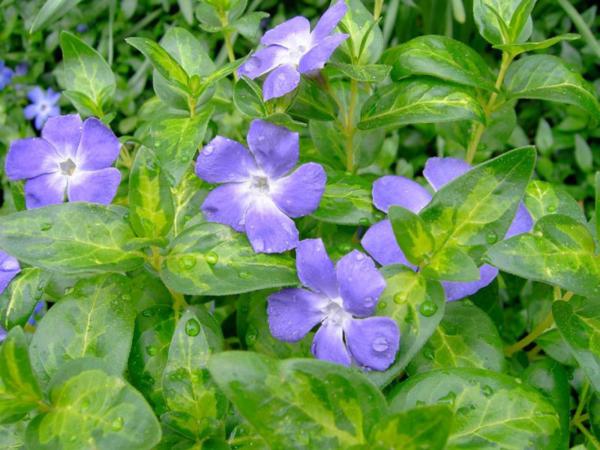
<point>377,9</point>
<point>588,435</point>
<point>582,400</point>
<point>349,128</point>
<point>489,108</point>
<point>535,333</point>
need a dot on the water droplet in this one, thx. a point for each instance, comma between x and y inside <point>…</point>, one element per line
<point>369,301</point>
<point>487,390</point>
<point>125,297</point>
<point>251,335</point>
<point>147,313</point>
<point>85,404</point>
<point>244,275</point>
<point>360,256</point>
<point>117,424</point>
<point>428,353</point>
<point>552,208</point>
<point>380,344</point>
<point>448,398</point>
<point>491,238</point>
<point>187,262</point>
<point>192,327</point>
<point>208,150</point>
<point>151,350</point>
<point>398,298</point>
<point>211,258</point>
<point>364,221</point>
<point>45,226</point>
<point>428,308</point>
<point>381,306</point>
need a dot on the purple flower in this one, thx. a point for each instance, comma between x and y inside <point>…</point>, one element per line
<point>291,49</point>
<point>42,106</point>
<point>9,268</point>
<point>259,195</point>
<point>22,69</point>
<point>37,313</point>
<point>71,158</point>
<point>6,75</point>
<point>379,240</point>
<point>341,299</point>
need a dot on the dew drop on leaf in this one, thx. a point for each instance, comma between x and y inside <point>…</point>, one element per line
<point>117,424</point>
<point>364,221</point>
<point>211,258</point>
<point>491,238</point>
<point>151,350</point>
<point>45,226</point>
<point>398,298</point>
<point>428,308</point>
<point>192,327</point>
<point>487,390</point>
<point>187,262</point>
<point>244,275</point>
<point>251,335</point>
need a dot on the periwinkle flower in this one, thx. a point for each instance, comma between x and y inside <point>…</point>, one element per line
<point>9,268</point>
<point>22,69</point>
<point>72,158</point>
<point>6,75</point>
<point>291,49</point>
<point>259,195</point>
<point>390,190</point>
<point>342,300</point>
<point>43,105</point>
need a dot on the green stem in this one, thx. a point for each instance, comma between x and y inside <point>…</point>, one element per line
<point>582,27</point>
<point>535,333</point>
<point>349,128</point>
<point>582,400</point>
<point>377,9</point>
<point>588,435</point>
<point>111,19</point>
<point>489,108</point>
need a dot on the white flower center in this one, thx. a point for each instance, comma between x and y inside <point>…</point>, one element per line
<point>335,312</point>
<point>260,184</point>
<point>67,167</point>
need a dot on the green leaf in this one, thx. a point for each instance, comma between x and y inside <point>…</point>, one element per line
<point>560,251</point>
<point>247,98</point>
<point>578,321</point>
<point>520,19</point>
<point>51,12</point>
<point>419,101</point>
<point>326,405</point>
<point>440,57</point>
<point>175,141</point>
<point>476,209</point>
<point>417,429</point>
<point>546,77</point>
<point>412,234</point>
<point>542,198</point>
<point>368,73</point>
<point>346,201</point>
<point>151,209</point>
<point>597,205</point>
<point>466,337</point>
<point>94,320</point>
<point>83,104</point>
<point>555,346</point>
<point>19,390</point>
<point>70,237</point>
<point>518,48</point>
<point>162,61</point>
<point>550,378</point>
<point>417,305</point>
<point>249,25</point>
<point>366,40</point>
<point>85,71</point>
<point>312,102</point>
<point>94,410</point>
<point>491,410</point>
<point>213,259</point>
<point>451,264</point>
<point>196,406</point>
<point>494,17</point>
<point>18,300</point>
<point>544,140</point>
<point>583,154</point>
<point>12,436</point>
<point>154,328</point>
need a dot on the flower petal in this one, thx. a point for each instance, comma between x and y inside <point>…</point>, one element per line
<point>379,241</point>
<point>441,171</point>
<point>291,34</point>
<point>329,20</point>
<point>30,157</point>
<point>455,290</point>
<point>99,147</point>
<point>328,344</point>
<point>360,283</point>
<point>315,268</point>
<point>95,186</point>
<point>280,81</point>
<point>299,193</point>
<point>9,268</point>
<point>294,312</point>
<point>275,148</point>
<point>47,189</point>
<point>223,161</point>
<point>36,95</point>
<point>393,190</point>
<point>30,111</point>
<point>373,342</point>
<point>522,223</point>
<point>262,61</point>
<point>316,58</point>
<point>228,204</point>
<point>64,133</point>
<point>268,229</point>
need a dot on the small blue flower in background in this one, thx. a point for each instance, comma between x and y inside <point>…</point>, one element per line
<point>291,49</point>
<point>37,313</point>
<point>379,240</point>
<point>81,28</point>
<point>341,299</point>
<point>9,268</point>
<point>6,74</point>
<point>43,105</point>
<point>22,69</point>
<point>258,195</point>
<point>72,158</point>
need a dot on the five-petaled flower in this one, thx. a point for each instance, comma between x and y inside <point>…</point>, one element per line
<point>341,299</point>
<point>6,75</point>
<point>43,105</point>
<point>258,196</point>
<point>390,190</point>
<point>291,49</point>
<point>72,157</point>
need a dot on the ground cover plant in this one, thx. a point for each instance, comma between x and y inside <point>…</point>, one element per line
<point>299,225</point>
